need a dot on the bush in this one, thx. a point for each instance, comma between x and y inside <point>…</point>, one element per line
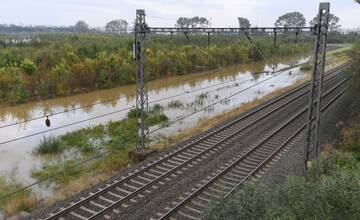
<point>306,67</point>
<point>334,196</point>
<point>248,203</point>
<point>28,66</point>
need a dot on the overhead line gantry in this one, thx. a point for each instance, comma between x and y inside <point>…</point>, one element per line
<point>319,30</point>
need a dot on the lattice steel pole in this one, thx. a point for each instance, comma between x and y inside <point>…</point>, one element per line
<point>142,101</point>
<point>314,112</point>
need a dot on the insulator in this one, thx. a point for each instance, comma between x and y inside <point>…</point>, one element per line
<point>47,121</point>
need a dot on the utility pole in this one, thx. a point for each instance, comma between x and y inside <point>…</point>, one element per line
<point>142,101</point>
<point>314,111</point>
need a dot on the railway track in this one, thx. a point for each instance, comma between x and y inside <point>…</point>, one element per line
<point>128,190</point>
<point>226,180</point>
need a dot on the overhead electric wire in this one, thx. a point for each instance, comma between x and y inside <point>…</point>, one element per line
<point>165,126</point>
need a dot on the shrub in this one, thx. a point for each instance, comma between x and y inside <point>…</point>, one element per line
<point>306,67</point>
<point>28,66</point>
<point>248,203</point>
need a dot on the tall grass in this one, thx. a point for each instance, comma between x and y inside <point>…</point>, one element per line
<point>49,145</point>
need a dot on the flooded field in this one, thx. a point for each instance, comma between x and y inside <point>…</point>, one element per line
<point>179,96</point>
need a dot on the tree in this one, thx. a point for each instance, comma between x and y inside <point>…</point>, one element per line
<point>117,26</point>
<point>244,22</point>
<point>333,22</point>
<point>358,1</point>
<point>81,26</point>
<point>292,19</point>
<point>196,21</point>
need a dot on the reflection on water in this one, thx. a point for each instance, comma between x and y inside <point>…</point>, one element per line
<point>219,85</point>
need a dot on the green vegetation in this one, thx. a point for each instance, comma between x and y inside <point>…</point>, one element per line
<point>63,64</point>
<point>49,145</point>
<point>91,140</point>
<point>306,67</point>
<point>67,169</point>
<point>329,191</point>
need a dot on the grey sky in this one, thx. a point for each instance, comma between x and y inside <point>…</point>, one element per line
<point>164,12</point>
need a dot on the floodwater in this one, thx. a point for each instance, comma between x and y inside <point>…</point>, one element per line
<point>192,92</point>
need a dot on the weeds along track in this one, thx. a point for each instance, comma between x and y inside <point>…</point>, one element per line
<point>127,191</point>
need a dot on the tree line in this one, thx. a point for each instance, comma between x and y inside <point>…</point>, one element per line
<point>118,26</point>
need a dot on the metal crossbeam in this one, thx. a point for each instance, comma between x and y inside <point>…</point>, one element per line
<point>314,112</point>
<point>224,30</point>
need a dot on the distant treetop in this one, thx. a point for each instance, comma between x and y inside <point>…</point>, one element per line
<point>333,22</point>
<point>292,19</point>
<point>244,22</point>
<point>184,22</point>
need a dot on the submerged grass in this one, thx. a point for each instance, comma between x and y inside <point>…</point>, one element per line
<point>175,104</point>
<point>49,145</point>
<point>63,167</point>
<point>22,201</point>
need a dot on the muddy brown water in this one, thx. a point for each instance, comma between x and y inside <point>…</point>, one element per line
<point>17,158</point>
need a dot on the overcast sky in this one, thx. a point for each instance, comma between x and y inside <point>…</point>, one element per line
<point>164,12</point>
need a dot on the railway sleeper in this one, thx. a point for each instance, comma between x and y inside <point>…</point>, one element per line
<point>131,187</point>
<point>211,195</point>
<point>253,160</point>
<point>137,182</point>
<point>230,178</point>
<point>248,166</point>
<point>184,215</point>
<point>78,216</point>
